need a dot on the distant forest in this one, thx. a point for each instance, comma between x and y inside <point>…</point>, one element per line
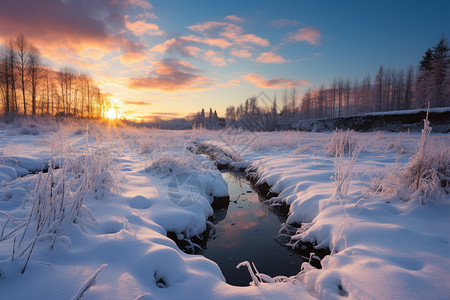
<point>29,87</point>
<point>390,90</point>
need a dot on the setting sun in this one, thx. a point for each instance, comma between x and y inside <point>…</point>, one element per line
<point>111,114</point>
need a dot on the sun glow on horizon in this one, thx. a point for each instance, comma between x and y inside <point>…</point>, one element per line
<point>114,110</point>
<point>111,114</point>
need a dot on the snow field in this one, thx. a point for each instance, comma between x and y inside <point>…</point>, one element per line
<point>382,247</point>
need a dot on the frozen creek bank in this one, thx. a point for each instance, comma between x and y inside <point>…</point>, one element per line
<point>381,247</point>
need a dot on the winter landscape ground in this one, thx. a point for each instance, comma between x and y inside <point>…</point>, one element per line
<point>85,210</point>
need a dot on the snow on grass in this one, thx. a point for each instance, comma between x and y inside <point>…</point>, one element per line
<point>382,247</point>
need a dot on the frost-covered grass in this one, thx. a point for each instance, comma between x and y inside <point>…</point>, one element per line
<point>111,202</point>
<point>425,179</point>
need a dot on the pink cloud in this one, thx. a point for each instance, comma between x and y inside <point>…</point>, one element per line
<point>141,28</point>
<point>241,53</point>
<point>234,18</point>
<point>176,45</point>
<point>253,39</point>
<point>131,58</point>
<point>202,27</point>
<point>216,59</point>
<point>140,3</point>
<point>230,31</point>
<point>131,102</point>
<point>217,42</point>
<point>192,50</point>
<point>276,83</point>
<point>310,35</point>
<point>171,75</point>
<point>233,82</point>
<point>61,27</point>
<point>270,58</point>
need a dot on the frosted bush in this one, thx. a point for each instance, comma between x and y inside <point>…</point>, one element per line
<point>426,176</point>
<point>398,146</point>
<point>145,147</point>
<point>170,165</point>
<point>58,198</point>
<point>341,142</point>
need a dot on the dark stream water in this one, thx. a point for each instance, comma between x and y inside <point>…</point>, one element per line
<point>246,231</point>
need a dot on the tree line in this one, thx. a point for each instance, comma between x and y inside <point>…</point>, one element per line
<point>390,90</point>
<point>29,87</point>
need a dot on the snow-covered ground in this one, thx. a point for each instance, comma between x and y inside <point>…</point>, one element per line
<point>99,228</point>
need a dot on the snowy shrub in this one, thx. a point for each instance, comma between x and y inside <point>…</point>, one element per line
<point>341,142</point>
<point>398,146</point>
<point>344,167</point>
<point>145,147</point>
<point>54,205</point>
<point>170,165</point>
<point>425,178</point>
<point>58,199</point>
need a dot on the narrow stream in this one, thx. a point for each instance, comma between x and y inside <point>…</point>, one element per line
<point>246,231</point>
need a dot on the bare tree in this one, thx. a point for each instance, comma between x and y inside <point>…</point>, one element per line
<point>21,66</point>
<point>11,54</point>
<point>321,102</point>
<point>408,96</point>
<point>35,73</point>
<point>293,100</point>
<point>306,105</point>
<point>357,103</point>
<point>340,94</point>
<point>379,83</point>
<point>333,97</point>
<point>285,102</point>
<point>347,94</point>
<point>5,79</point>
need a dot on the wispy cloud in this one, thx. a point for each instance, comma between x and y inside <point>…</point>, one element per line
<point>176,45</point>
<point>156,116</point>
<point>132,58</point>
<point>140,3</point>
<point>215,58</point>
<point>130,102</point>
<point>241,53</point>
<point>217,42</point>
<point>276,83</point>
<point>232,32</point>
<point>234,18</point>
<point>171,75</point>
<point>233,82</point>
<point>280,23</point>
<point>271,58</point>
<point>141,27</point>
<point>310,35</point>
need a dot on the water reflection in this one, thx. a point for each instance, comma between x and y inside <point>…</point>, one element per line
<point>246,231</point>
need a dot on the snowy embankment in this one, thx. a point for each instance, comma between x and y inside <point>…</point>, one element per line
<point>394,121</point>
<point>382,247</point>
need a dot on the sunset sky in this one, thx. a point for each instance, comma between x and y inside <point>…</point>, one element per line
<point>171,58</point>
